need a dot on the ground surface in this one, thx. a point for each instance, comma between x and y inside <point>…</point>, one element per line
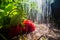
<point>42,30</point>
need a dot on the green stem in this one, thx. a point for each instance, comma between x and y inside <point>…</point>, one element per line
<point>11,11</point>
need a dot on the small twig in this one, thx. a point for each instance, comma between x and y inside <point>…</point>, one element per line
<point>41,37</point>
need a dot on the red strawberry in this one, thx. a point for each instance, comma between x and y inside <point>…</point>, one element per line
<point>13,31</point>
<point>24,30</point>
<point>29,25</point>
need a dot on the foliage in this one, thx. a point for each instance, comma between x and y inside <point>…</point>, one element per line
<point>13,12</point>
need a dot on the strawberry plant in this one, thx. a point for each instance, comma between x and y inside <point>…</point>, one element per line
<point>13,18</point>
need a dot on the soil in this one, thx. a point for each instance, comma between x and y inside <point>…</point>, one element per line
<point>42,30</point>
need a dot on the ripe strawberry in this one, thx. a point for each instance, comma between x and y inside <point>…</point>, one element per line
<point>24,30</point>
<point>29,26</point>
<point>14,31</point>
